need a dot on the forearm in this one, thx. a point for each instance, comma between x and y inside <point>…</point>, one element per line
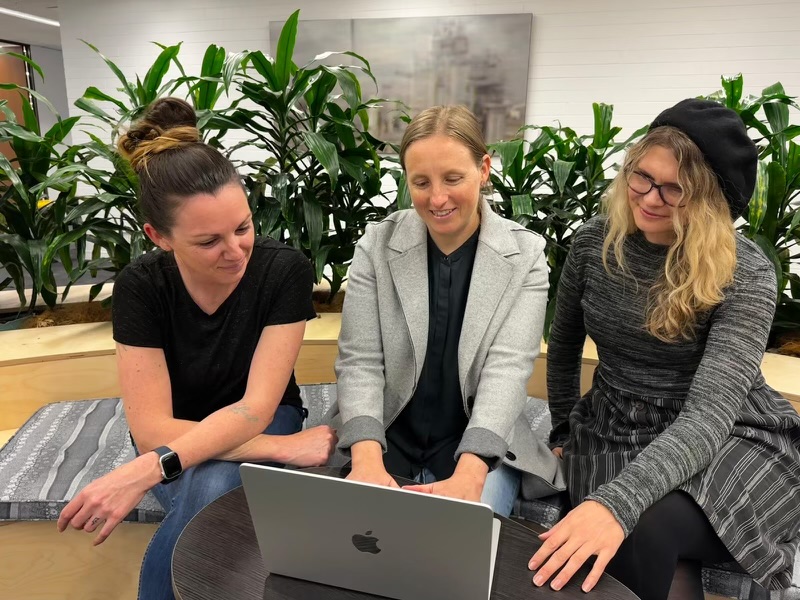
<point>472,467</point>
<point>261,448</point>
<point>228,432</point>
<point>366,453</point>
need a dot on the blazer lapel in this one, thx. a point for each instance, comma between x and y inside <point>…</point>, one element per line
<point>409,269</point>
<point>491,275</point>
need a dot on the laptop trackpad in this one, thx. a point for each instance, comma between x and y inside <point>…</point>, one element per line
<point>495,542</point>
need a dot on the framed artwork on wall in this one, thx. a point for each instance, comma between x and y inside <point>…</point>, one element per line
<point>477,60</point>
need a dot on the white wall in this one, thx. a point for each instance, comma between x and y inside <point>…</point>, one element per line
<point>640,55</point>
<point>53,86</point>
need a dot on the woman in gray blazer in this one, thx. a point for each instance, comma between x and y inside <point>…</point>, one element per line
<point>440,328</point>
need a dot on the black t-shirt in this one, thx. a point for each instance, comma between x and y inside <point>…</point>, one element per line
<point>208,356</point>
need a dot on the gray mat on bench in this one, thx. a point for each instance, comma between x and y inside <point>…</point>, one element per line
<point>66,445</point>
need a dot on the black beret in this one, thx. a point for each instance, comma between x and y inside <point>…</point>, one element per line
<point>722,138</point>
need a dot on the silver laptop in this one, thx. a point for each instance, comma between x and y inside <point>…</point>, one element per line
<point>383,541</point>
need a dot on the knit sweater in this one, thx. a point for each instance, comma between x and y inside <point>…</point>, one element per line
<point>673,404</point>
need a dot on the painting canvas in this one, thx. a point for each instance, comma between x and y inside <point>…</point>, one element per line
<point>480,61</point>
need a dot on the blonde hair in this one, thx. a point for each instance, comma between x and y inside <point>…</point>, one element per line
<point>454,121</point>
<point>701,259</point>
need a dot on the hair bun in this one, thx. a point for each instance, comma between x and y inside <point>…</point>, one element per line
<point>168,123</point>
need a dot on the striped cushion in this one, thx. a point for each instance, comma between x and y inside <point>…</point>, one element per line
<point>61,448</point>
<point>66,445</point>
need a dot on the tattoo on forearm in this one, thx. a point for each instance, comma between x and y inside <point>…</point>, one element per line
<point>244,410</point>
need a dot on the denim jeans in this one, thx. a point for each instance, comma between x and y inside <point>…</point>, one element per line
<point>500,490</point>
<point>183,498</point>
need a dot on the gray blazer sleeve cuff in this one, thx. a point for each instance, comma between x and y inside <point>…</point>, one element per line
<point>358,430</point>
<point>484,443</point>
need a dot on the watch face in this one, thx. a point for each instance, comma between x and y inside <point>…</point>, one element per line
<point>170,465</point>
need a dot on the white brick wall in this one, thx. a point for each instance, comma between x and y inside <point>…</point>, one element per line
<point>640,55</point>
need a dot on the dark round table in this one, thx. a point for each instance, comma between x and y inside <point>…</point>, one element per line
<point>217,556</point>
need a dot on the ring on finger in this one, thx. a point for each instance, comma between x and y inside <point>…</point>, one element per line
<point>95,521</point>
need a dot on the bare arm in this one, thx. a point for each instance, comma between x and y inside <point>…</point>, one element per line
<point>147,398</point>
<point>144,380</point>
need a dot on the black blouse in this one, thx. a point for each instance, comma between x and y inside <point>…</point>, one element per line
<point>428,430</point>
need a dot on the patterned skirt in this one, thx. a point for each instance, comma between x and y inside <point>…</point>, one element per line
<point>750,491</point>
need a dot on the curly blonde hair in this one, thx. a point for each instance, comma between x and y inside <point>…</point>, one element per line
<point>700,260</point>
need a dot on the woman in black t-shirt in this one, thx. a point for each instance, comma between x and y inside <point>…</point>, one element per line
<point>208,328</point>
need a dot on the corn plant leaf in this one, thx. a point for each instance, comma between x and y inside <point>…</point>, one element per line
<point>265,67</point>
<point>29,116</point>
<point>403,195</point>
<point>62,240</point>
<point>11,262</point>
<point>213,62</point>
<point>155,74</point>
<point>25,59</point>
<point>509,152</point>
<point>314,221</point>
<point>61,129</point>
<point>320,260</point>
<point>777,112</point>
<point>126,85</point>
<point>325,153</point>
<point>603,132</point>
<point>8,171</point>
<point>18,131</point>
<point>39,98</point>
<point>733,90</point>
<point>302,83</point>
<point>348,82</point>
<point>562,170</point>
<point>92,93</point>
<point>90,107</point>
<point>522,205</point>
<point>776,191</point>
<point>284,66</point>
<point>233,65</point>
<point>758,203</point>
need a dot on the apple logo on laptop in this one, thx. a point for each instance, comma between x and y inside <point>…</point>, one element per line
<point>366,543</point>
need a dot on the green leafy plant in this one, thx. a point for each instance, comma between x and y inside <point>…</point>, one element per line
<point>773,217</point>
<point>317,183</point>
<point>37,228</point>
<point>553,183</point>
<point>118,234</point>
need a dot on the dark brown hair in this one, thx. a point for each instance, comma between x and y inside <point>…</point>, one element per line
<point>165,150</point>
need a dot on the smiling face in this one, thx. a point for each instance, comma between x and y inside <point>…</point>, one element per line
<point>212,237</point>
<point>652,215</point>
<point>445,185</point>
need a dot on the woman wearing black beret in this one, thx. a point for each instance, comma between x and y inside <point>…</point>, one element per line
<point>680,453</point>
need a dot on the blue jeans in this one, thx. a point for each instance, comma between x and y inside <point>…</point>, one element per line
<point>183,498</point>
<point>500,490</point>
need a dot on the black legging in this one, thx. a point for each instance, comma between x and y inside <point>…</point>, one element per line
<point>671,530</point>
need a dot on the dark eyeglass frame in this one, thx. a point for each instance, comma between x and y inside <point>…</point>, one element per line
<point>653,184</point>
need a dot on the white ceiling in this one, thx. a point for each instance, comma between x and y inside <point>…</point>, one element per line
<point>13,29</point>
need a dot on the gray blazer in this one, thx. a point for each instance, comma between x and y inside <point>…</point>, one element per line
<point>384,334</point>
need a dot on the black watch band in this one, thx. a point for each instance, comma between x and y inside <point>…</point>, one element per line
<point>171,467</point>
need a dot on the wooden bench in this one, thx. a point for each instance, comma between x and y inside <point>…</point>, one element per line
<point>76,362</point>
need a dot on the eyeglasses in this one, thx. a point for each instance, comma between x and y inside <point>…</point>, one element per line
<point>670,194</point>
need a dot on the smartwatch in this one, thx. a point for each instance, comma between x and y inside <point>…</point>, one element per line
<point>170,464</point>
